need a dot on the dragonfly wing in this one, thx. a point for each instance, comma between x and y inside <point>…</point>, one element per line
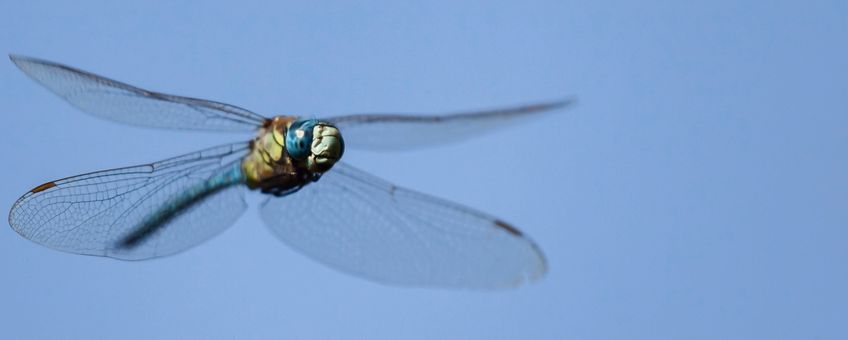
<point>391,132</point>
<point>137,212</point>
<point>360,224</point>
<point>120,102</point>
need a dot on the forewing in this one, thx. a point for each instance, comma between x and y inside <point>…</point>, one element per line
<point>391,132</point>
<point>116,101</point>
<point>360,224</point>
<point>96,213</point>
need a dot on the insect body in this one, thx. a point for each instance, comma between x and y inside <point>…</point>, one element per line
<point>322,207</point>
<point>289,153</point>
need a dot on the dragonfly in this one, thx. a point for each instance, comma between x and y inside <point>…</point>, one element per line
<point>322,207</point>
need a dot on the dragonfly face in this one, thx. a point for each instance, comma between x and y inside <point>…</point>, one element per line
<point>349,220</point>
<point>289,153</point>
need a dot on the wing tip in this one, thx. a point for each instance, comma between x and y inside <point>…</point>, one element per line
<point>564,102</point>
<point>542,266</point>
<point>540,269</point>
<point>528,277</point>
<point>25,63</point>
<point>17,59</point>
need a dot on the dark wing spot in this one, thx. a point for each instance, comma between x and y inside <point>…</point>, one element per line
<point>43,187</point>
<point>510,229</point>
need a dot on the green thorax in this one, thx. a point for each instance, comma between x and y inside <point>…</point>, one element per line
<point>289,153</point>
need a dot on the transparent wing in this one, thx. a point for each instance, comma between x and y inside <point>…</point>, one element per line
<point>136,212</point>
<point>116,101</point>
<point>360,224</point>
<point>391,132</point>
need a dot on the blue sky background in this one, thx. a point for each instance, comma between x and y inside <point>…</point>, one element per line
<point>698,190</point>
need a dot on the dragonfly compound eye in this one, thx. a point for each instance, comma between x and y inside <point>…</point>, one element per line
<point>327,148</point>
<point>299,138</point>
<point>319,143</point>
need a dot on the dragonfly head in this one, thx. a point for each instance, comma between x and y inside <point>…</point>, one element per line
<point>318,143</point>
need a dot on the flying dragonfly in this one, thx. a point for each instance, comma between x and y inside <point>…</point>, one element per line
<point>328,210</point>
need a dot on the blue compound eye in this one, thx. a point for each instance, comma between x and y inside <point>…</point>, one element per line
<point>299,138</point>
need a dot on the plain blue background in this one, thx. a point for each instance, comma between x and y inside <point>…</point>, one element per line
<point>698,190</point>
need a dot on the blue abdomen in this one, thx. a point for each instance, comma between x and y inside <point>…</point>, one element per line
<point>182,202</point>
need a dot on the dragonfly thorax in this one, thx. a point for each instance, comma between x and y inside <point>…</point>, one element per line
<point>289,153</point>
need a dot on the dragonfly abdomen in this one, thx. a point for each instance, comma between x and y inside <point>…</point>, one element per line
<point>180,204</point>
